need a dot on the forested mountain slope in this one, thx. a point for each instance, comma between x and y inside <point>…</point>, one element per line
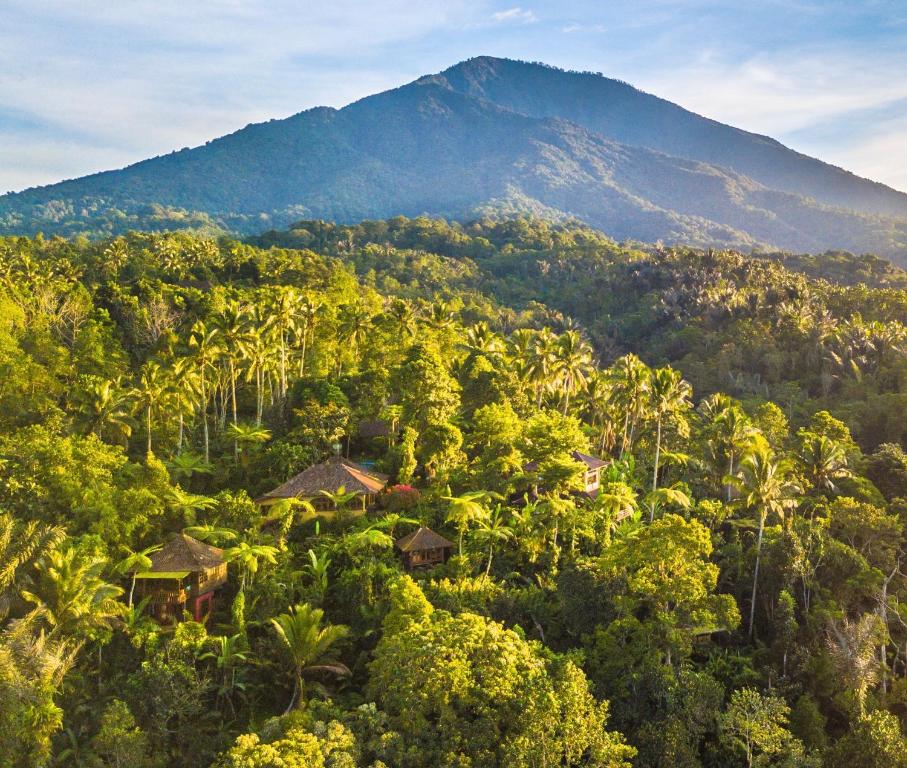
<point>622,113</point>
<point>472,142</point>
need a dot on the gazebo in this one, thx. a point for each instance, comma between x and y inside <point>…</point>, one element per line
<point>423,548</point>
<point>184,575</point>
<point>330,476</point>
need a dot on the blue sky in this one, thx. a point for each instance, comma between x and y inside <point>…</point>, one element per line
<point>87,85</point>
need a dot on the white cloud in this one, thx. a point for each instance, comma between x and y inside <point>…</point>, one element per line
<point>113,83</point>
<point>795,95</point>
<point>515,15</point>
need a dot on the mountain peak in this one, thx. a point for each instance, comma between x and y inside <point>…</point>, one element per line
<point>492,134</point>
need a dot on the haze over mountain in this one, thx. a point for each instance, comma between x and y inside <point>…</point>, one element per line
<point>492,136</point>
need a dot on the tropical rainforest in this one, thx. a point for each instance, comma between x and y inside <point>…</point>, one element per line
<point>729,597</point>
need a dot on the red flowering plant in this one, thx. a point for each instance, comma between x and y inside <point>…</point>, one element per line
<point>401,498</point>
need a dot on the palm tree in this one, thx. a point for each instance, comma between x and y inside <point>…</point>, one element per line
<point>184,465</point>
<point>542,366</point>
<point>232,326</point>
<point>630,390</point>
<point>259,365</point>
<point>249,556</point>
<point>152,388</point>
<point>573,362</point>
<point>492,530</point>
<point>283,309</point>
<point>615,501</point>
<point>768,491</point>
<point>70,594</point>
<point>481,340</point>
<point>597,408</point>
<point>22,545</point>
<point>465,510</point>
<point>670,395</point>
<point>206,346</point>
<point>729,432</point>
<point>308,311</point>
<point>186,392</point>
<point>245,437</point>
<point>135,562</point>
<point>309,645</point>
<point>105,408</point>
<point>341,499</point>
<point>663,497</point>
<point>355,325</point>
<point>188,504</point>
<point>824,462</point>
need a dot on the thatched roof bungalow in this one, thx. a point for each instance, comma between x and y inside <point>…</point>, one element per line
<point>184,575</point>
<point>330,477</point>
<point>423,548</point>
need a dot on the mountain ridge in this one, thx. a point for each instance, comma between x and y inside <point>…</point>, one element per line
<point>440,146</point>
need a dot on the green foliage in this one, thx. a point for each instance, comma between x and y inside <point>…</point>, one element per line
<point>467,360</point>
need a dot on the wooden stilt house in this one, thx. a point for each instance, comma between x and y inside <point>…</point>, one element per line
<point>184,576</point>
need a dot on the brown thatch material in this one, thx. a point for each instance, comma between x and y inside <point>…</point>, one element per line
<point>183,553</point>
<point>331,476</point>
<point>421,540</point>
<point>374,428</point>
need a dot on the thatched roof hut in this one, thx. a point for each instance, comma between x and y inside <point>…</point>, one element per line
<point>183,553</point>
<point>329,476</point>
<point>423,548</point>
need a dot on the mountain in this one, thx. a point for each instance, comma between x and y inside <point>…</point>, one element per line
<point>624,114</point>
<point>491,136</point>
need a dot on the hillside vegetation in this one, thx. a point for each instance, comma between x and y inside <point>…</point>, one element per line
<point>731,596</point>
<point>490,137</point>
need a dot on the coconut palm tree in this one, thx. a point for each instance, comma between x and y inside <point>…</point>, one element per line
<point>70,594</point>
<point>104,408</point>
<point>283,308</point>
<point>249,557</point>
<point>465,510</point>
<point>185,383</point>
<point>259,357</point>
<point>768,491</point>
<point>309,646</point>
<point>631,379</point>
<point>22,545</point>
<point>232,325</point>
<point>308,310</point>
<point>615,501</point>
<point>493,529</point>
<point>669,397</point>
<point>572,364</point>
<point>134,562</point>
<point>355,326</point>
<point>206,346</point>
<point>152,389</point>
<point>543,364</point>
<point>824,463</point>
